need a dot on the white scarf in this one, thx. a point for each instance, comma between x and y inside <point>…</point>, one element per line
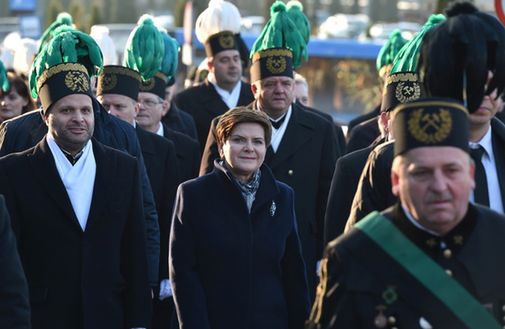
<point>79,179</point>
<point>229,98</point>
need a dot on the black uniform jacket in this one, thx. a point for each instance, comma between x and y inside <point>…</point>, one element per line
<point>343,187</point>
<point>14,299</point>
<point>204,104</point>
<point>374,189</point>
<point>363,135</point>
<point>187,151</point>
<point>234,269</point>
<point>161,165</point>
<point>363,287</point>
<point>180,121</point>
<point>305,160</point>
<point>25,131</point>
<point>91,279</point>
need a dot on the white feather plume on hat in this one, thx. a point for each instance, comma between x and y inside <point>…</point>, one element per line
<point>219,16</point>
<point>104,41</point>
<point>24,56</point>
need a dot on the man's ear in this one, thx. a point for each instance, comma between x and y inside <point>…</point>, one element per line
<point>165,106</point>
<point>395,183</point>
<point>45,117</point>
<point>254,88</point>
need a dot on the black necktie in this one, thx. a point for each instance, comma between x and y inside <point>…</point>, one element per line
<point>277,124</point>
<point>480,193</point>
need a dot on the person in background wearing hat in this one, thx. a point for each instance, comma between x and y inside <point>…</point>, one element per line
<point>216,28</point>
<point>439,65</point>
<point>433,260</point>
<point>173,117</point>
<point>151,106</point>
<point>365,130</point>
<point>27,130</point>
<point>76,210</point>
<point>120,100</point>
<point>235,258</point>
<point>304,148</point>
<point>349,167</point>
<point>14,296</point>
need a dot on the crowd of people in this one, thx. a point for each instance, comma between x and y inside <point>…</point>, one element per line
<point>233,203</point>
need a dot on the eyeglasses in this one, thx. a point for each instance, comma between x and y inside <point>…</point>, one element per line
<point>148,103</point>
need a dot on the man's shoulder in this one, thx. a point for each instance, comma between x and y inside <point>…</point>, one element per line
<point>310,117</point>
<point>179,137</point>
<point>190,93</point>
<point>108,153</point>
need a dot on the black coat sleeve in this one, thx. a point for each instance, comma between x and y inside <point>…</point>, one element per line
<point>189,295</point>
<point>374,192</point>
<point>14,300</point>
<point>210,151</point>
<point>294,278</point>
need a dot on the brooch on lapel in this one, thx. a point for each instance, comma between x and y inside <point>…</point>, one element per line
<point>273,208</point>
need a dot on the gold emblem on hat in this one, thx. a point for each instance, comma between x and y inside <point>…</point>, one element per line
<point>430,128</point>
<point>147,85</point>
<point>276,64</point>
<point>227,41</point>
<point>77,81</point>
<point>109,81</point>
<point>407,92</point>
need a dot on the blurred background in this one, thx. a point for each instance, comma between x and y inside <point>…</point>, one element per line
<point>346,36</point>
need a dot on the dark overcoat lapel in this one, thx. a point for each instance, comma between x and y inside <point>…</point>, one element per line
<point>498,140</point>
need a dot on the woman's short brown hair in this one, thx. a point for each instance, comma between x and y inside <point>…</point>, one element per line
<point>241,114</point>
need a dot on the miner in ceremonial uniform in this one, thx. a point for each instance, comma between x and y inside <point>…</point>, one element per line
<point>217,28</point>
<point>477,85</point>
<point>433,260</point>
<point>76,205</point>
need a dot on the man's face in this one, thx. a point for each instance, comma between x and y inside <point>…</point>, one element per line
<point>302,93</point>
<point>71,122</point>
<point>274,94</point>
<point>434,184</point>
<point>150,110</point>
<point>490,105</point>
<point>120,106</point>
<point>226,67</point>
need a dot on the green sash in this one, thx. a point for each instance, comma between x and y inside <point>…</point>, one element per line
<point>392,241</point>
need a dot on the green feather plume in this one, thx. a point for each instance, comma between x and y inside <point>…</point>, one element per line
<point>145,48</point>
<point>302,23</point>
<point>67,46</point>
<point>4,81</point>
<point>171,58</point>
<point>61,20</point>
<point>408,57</point>
<point>281,32</point>
<point>390,49</point>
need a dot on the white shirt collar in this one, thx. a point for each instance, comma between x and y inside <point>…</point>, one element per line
<point>486,142</point>
<point>160,131</point>
<point>229,98</point>
<point>416,223</point>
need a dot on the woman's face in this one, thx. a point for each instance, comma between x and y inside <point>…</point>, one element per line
<point>244,151</point>
<point>11,105</point>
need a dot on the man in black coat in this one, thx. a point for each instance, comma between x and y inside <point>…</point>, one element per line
<point>222,89</point>
<point>151,108</point>
<point>14,299</point>
<point>389,269</point>
<point>84,269</point>
<point>118,89</point>
<point>303,154</point>
<point>26,131</point>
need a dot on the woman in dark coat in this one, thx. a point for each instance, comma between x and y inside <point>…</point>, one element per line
<point>235,258</point>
